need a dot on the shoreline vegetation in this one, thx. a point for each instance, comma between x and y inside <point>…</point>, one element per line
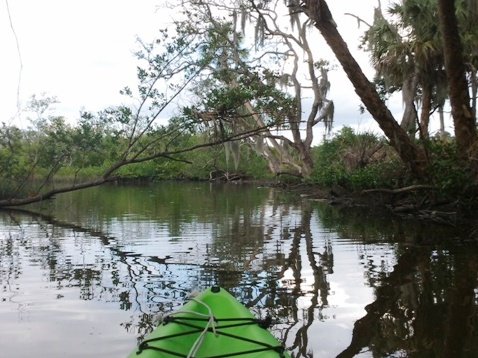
<point>350,170</point>
<point>253,115</point>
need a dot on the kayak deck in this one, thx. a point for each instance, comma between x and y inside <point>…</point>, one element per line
<point>211,325</point>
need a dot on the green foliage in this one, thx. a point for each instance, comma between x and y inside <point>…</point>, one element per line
<point>53,150</point>
<point>386,174</point>
<point>450,173</point>
<point>347,137</point>
<point>226,104</point>
<point>213,162</point>
<point>50,149</point>
<point>406,47</point>
<point>143,171</point>
<point>228,84</point>
<point>341,162</point>
<point>11,144</point>
<point>252,92</point>
<point>166,169</point>
<point>356,161</point>
<point>12,159</point>
<point>328,168</point>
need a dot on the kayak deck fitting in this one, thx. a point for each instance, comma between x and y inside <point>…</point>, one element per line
<point>211,325</point>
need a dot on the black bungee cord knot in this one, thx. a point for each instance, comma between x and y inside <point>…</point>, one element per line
<point>265,323</point>
<point>168,318</point>
<point>280,350</point>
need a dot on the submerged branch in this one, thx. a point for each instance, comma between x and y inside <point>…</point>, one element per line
<point>400,190</point>
<point>106,176</point>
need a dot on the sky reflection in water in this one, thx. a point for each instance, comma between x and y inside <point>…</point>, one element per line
<point>89,276</point>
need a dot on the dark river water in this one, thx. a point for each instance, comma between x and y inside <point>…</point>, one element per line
<point>88,276</point>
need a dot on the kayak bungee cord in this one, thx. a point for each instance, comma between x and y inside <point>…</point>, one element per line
<point>211,323</point>
<point>184,333</point>
<point>169,318</point>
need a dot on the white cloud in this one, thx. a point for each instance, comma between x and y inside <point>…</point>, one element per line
<point>78,51</point>
<point>81,52</point>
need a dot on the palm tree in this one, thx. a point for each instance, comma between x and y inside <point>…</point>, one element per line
<point>408,54</point>
<point>319,13</point>
<point>465,127</point>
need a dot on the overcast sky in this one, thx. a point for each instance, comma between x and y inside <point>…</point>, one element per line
<point>81,52</point>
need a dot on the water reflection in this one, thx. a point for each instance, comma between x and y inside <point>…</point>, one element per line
<point>345,284</point>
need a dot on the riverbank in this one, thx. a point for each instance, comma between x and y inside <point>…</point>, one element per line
<point>417,201</point>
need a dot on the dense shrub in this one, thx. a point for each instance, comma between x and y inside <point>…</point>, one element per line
<point>449,173</point>
<point>357,161</point>
<point>213,162</point>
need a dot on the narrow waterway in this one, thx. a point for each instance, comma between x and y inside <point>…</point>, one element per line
<point>88,276</point>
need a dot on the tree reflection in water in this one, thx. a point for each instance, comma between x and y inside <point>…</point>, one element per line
<point>276,261</point>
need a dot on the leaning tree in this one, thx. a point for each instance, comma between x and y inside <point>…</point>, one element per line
<point>318,12</point>
<point>262,76</point>
<point>31,159</point>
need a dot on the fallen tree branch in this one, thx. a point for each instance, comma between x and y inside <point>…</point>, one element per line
<point>398,191</point>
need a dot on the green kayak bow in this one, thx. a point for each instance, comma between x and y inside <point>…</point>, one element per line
<point>212,324</point>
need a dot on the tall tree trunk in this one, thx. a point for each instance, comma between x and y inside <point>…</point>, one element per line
<point>319,13</point>
<point>409,118</point>
<point>465,130</point>
<point>442,122</point>
<point>474,91</point>
<point>426,110</point>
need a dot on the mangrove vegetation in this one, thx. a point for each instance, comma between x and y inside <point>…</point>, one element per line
<point>233,92</point>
